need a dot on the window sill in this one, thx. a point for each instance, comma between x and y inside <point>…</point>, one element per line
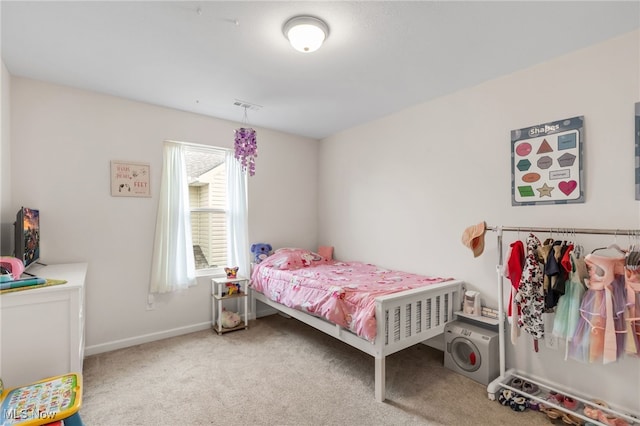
<point>210,273</point>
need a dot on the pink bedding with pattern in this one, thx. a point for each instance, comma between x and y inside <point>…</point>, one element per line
<point>341,292</point>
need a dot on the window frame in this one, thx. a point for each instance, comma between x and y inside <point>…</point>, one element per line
<point>218,271</point>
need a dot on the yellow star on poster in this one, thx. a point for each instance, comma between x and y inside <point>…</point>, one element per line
<point>545,190</point>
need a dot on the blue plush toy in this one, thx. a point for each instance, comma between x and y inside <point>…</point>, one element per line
<point>260,251</point>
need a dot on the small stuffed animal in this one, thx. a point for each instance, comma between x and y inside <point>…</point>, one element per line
<point>260,251</point>
<point>229,319</point>
<point>231,272</point>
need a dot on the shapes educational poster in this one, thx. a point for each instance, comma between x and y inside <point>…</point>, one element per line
<point>546,163</point>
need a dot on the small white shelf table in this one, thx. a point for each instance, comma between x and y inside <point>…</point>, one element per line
<point>220,293</point>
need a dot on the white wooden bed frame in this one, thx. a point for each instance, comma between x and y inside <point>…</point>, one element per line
<point>403,320</point>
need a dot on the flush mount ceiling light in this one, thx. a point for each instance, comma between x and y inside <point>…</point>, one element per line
<point>305,33</point>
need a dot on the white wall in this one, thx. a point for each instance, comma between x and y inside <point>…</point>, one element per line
<point>6,229</point>
<point>400,191</point>
<point>62,142</point>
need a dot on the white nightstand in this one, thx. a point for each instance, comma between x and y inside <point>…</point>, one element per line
<point>220,292</point>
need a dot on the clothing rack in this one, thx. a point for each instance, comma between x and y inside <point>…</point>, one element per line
<point>493,387</point>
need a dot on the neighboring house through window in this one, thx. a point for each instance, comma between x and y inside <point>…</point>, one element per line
<point>207,177</point>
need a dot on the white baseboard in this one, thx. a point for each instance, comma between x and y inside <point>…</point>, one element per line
<point>146,338</point>
<point>262,311</point>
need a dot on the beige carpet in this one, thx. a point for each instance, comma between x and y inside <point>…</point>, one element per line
<point>279,372</point>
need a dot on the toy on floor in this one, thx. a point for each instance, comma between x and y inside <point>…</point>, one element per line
<point>43,402</point>
<point>260,251</point>
<point>229,319</point>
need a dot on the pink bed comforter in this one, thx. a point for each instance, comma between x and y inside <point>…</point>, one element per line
<point>341,292</point>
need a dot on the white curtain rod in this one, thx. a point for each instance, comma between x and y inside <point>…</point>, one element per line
<point>622,232</point>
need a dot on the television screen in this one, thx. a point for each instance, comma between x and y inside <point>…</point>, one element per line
<point>27,240</point>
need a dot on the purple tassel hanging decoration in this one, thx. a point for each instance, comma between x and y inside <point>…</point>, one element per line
<point>246,148</point>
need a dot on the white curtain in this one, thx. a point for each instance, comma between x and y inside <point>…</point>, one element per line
<point>237,216</point>
<point>173,265</point>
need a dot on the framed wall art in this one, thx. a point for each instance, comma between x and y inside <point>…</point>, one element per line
<point>130,179</point>
<point>637,119</point>
<point>547,164</point>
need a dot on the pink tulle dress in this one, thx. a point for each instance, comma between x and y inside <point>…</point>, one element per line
<point>599,335</point>
<point>632,317</point>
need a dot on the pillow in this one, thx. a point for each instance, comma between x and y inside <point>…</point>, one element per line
<point>326,252</point>
<point>293,258</point>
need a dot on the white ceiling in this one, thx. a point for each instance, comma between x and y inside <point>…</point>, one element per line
<point>380,57</point>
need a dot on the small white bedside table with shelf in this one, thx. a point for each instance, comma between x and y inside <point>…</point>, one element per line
<point>219,293</point>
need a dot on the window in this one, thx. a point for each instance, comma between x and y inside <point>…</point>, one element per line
<point>207,177</point>
<point>206,186</point>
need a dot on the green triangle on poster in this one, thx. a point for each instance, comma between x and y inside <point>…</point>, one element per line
<point>544,147</point>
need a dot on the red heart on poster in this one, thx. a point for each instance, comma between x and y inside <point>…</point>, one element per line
<point>567,187</point>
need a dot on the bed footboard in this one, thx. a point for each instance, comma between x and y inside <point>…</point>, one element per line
<point>407,318</point>
<point>410,317</point>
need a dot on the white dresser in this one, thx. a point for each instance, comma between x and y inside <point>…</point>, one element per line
<point>42,329</point>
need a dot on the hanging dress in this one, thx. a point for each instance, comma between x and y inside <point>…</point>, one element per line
<point>544,253</point>
<point>632,316</point>
<point>599,335</point>
<point>562,253</point>
<point>552,274</point>
<point>513,272</point>
<point>568,308</point>
<point>530,296</point>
